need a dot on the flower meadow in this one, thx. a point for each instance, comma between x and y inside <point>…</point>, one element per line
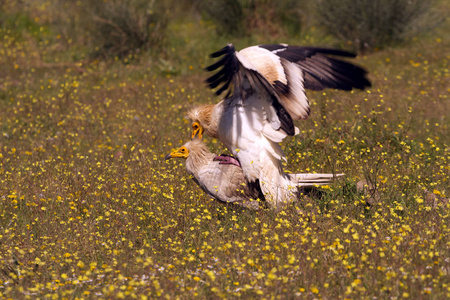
<point>89,209</point>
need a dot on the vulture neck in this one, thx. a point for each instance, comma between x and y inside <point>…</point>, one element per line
<point>199,156</point>
<point>211,126</point>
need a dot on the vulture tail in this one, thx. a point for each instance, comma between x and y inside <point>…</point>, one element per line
<point>313,179</point>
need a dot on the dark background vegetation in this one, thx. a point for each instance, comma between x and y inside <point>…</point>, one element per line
<point>121,27</point>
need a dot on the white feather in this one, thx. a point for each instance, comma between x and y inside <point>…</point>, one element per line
<point>313,179</point>
<point>247,133</point>
<point>273,68</point>
<point>264,61</point>
<point>250,123</point>
<point>214,182</point>
<point>297,105</point>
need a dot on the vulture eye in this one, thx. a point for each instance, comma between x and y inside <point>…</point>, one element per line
<point>183,149</point>
<point>195,126</point>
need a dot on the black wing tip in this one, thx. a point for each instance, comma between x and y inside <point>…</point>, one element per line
<point>308,111</point>
<point>333,51</point>
<point>359,79</point>
<point>227,49</point>
<point>325,72</point>
<point>226,67</point>
<point>365,83</point>
<point>273,47</point>
<point>308,51</point>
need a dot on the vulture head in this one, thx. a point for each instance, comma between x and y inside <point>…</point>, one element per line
<point>182,152</point>
<point>203,121</point>
<point>194,149</point>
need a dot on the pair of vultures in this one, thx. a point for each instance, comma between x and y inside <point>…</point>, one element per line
<point>265,92</point>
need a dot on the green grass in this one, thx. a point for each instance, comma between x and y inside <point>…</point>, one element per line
<point>90,209</point>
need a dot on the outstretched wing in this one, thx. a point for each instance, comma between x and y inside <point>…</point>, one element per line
<point>241,79</point>
<point>321,71</point>
<point>283,72</point>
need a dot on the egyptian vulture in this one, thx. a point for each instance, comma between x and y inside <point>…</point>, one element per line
<point>226,182</point>
<point>265,87</point>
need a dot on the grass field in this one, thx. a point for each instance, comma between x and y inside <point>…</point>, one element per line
<point>89,208</point>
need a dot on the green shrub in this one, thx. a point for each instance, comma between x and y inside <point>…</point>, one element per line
<point>372,23</point>
<point>122,27</point>
<point>226,15</point>
<point>245,17</point>
<point>114,27</point>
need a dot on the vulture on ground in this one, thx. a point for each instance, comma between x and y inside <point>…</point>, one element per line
<point>265,88</point>
<point>226,182</point>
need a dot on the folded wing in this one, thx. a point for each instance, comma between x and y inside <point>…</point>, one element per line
<point>226,183</point>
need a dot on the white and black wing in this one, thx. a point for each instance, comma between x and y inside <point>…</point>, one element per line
<point>241,78</point>
<point>322,71</point>
<point>284,72</point>
<point>229,67</point>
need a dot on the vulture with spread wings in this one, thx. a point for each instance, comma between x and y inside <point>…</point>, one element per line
<point>265,88</point>
<point>226,182</point>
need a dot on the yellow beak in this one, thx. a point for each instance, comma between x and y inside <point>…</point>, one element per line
<point>197,130</point>
<point>177,154</point>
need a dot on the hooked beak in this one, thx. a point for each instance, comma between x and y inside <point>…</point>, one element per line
<point>197,130</point>
<point>181,153</point>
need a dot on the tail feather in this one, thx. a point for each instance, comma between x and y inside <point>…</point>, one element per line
<point>312,179</point>
<point>281,190</point>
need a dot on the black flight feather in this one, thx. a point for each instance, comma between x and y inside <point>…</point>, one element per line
<point>228,48</point>
<point>230,66</point>
<point>321,69</point>
<point>319,62</point>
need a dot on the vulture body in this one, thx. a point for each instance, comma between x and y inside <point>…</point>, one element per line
<point>265,88</point>
<point>223,182</point>
<point>226,182</point>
